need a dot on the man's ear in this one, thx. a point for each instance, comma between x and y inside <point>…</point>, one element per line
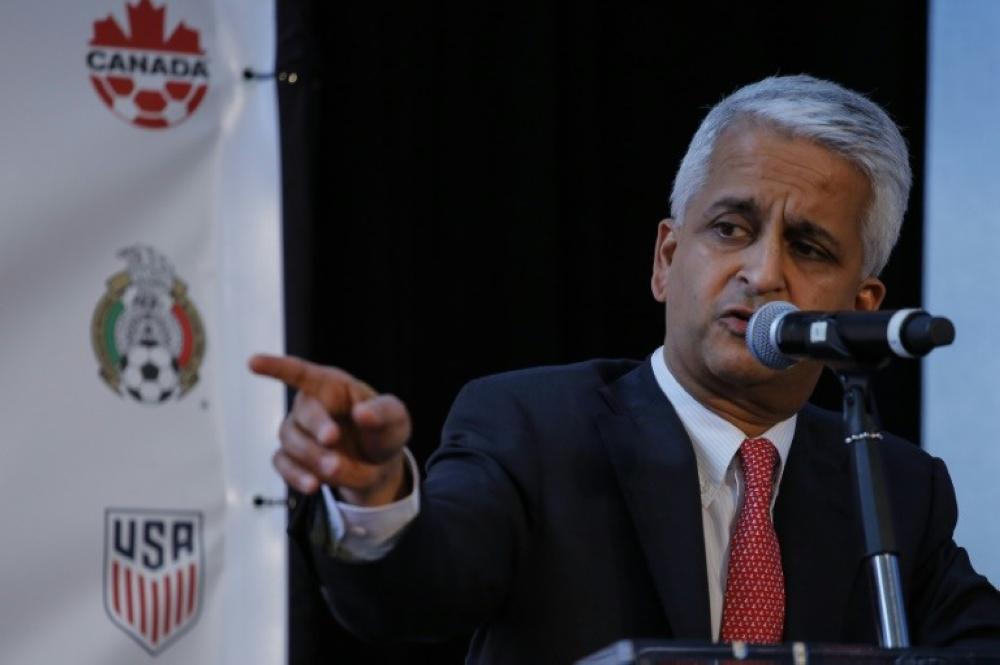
<point>663,257</point>
<point>870,295</point>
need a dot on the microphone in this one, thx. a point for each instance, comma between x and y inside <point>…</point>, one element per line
<point>779,335</point>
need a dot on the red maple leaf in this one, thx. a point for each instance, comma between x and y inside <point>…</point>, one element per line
<point>146,28</point>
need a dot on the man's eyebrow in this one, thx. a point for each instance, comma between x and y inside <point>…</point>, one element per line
<point>803,228</point>
<point>746,207</point>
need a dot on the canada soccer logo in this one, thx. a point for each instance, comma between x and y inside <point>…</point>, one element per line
<point>143,75</point>
<point>146,333</point>
<point>153,573</point>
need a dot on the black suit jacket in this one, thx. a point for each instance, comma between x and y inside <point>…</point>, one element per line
<point>562,512</point>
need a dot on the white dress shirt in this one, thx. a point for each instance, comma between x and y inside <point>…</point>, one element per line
<point>720,474</point>
<point>369,533</point>
<point>366,534</point>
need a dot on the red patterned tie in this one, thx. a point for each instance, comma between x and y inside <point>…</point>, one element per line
<point>754,607</point>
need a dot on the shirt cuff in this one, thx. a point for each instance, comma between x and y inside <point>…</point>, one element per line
<point>368,533</point>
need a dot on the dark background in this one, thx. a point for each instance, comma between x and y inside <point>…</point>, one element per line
<point>474,187</point>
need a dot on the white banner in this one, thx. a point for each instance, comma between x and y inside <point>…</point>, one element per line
<point>961,243</point>
<point>139,267</point>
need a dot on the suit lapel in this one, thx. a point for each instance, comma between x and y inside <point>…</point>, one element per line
<point>655,465</point>
<point>820,546</point>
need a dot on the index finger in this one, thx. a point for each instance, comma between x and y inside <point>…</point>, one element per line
<point>295,372</point>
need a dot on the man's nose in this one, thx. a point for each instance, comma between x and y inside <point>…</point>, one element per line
<point>764,266</point>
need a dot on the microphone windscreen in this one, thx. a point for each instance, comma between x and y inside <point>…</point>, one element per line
<point>762,346</point>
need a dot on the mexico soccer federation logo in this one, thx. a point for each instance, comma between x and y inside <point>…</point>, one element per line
<point>146,333</point>
<point>153,573</point>
<point>146,77</point>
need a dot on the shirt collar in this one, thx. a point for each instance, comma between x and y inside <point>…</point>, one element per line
<point>715,439</point>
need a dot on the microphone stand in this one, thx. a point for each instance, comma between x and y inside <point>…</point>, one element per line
<point>907,333</point>
<point>862,433</point>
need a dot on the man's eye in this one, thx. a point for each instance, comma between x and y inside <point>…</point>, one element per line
<point>810,251</point>
<point>730,231</point>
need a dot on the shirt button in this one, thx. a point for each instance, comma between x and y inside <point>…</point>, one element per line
<point>358,531</point>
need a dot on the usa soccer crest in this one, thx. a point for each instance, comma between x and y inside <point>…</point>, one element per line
<point>146,333</point>
<point>153,573</point>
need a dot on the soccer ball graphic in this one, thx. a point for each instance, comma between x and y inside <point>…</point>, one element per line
<point>149,373</point>
<point>151,104</point>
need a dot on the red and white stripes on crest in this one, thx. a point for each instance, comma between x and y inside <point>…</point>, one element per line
<point>153,606</point>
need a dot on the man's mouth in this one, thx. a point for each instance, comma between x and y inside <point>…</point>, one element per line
<point>736,318</point>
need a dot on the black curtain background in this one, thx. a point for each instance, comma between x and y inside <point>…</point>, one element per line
<point>474,187</point>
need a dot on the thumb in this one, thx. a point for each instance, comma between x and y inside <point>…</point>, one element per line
<point>383,426</point>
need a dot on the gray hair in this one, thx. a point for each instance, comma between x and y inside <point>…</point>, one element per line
<point>839,119</point>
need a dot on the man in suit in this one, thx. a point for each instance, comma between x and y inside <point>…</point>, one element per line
<point>692,495</point>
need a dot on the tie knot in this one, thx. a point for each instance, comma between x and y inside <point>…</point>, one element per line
<point>759,457</point>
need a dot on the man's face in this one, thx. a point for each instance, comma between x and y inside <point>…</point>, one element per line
<point>778,219</point>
